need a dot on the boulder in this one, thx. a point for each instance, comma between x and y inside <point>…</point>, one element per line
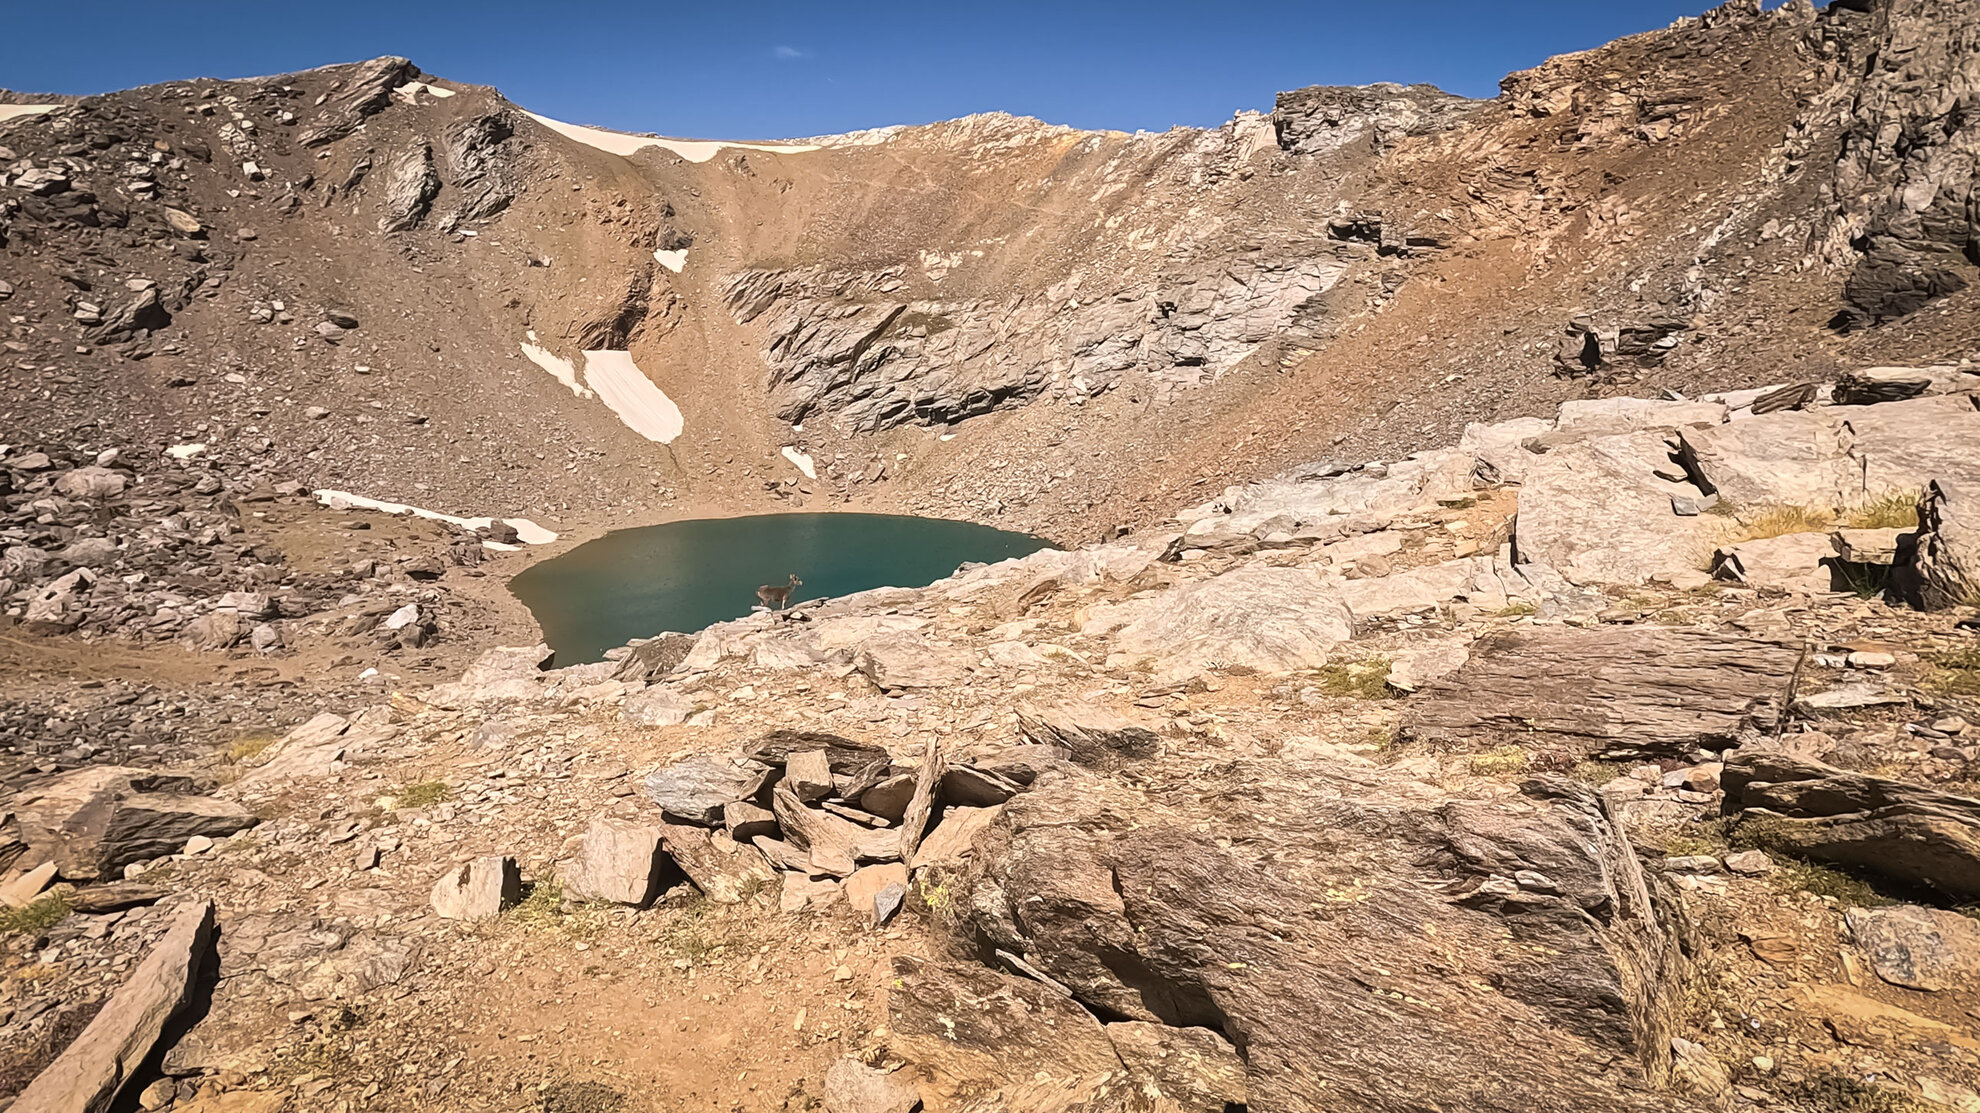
<point>619,860</point>
<point>1009,1043</point>
<point>853,1087</point>
<point>92,483</point>
<point>744,821</point>
<point>1599,513</point>
<point>94,1070</point>
<point>503,674</point>
<point>1607,691</point>
<point>319,745</point>
<point>1907,832</point>
<point>1093,736</point>
<point>899,661</point>
<point>952,839</point>
<point>652,659</point>
<point>1929,949</point>
<point>1947,563</point>
<point>843,755</point>
<point>1266,619</point>
<point>1869,546</point>
<point>59,607</point>
<point>834,846</point>
<point>1187,1070</point>
<point>809,775</point>
<point>657,706</point>
<point>802,891</point>
<point>94,821</point>
<point>1171,908</point>
<point>477,890</point>
<point>868,882</point>
<point>1903,446</point>
<point>214,631</point>
<point>697,789</point>
<point>1607,417</point>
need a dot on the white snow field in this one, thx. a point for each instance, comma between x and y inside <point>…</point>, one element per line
<point>620,384</point>
<point>528,531</point>
<point>693,150</point>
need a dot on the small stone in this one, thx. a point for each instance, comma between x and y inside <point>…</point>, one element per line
<point>158,1095</point>
<point>1871,659</point>
<point>1750,863</point>
<point>1692,863</point>
<point>866,884</point>
<point>198,844</point>
<point>477,890</point>
<point>1948,725</point>
<point>853,1087</point>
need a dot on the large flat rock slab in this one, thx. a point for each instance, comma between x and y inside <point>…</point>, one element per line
<point>89,1075</point>
<point>1619,691</point>
<point>1309,913</point>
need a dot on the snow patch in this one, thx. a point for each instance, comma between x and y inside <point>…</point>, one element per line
<point>801,461</point>
<point>672,260</point>
<point>528,531</point>
<point>9,111</point>
<point>411,90</point>
<point>563,369</point>
<point>620,384</point>
<point>693,150</point>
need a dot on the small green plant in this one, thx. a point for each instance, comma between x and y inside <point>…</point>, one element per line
<point>1367,679</point>
<point>249,746</point>
<point>423,794</point>
<point>1955,672</point>
<point>1503,761</point>
<point>1847,889</point>
<point>1597,772</point>
<point>1777,520</point>
<point>543,908</point>
<point>1514,610</point>
<point>1896,510</point>
<point>688,933</point>
<point>34,917</point>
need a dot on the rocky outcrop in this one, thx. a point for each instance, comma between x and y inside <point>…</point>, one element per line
<point>1946,564</point>
<point>1907,177</point>
<point>1906,832</point>
<point>484,166</point>
<point>1314,934</point>
<point>365,93</point>
<point>858,345</point>
<point>410,187</point>
<point>1323,119</point>
<point>96,820</point>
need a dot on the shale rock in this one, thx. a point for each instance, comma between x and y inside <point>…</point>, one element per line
<point>94,821</point>
<point>477,890</point>
<point>620,860</point>
<point>1918,948</point>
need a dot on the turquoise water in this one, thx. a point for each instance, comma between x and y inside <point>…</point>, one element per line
<point>682,576</point>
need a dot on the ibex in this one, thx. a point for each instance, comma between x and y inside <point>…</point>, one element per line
<point>770,595</point>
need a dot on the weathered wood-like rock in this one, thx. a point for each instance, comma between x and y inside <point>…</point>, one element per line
<point>619,860</point>
<point>1130,901</point>
<point>725,871</point>
<point>1913,834</point>
<point>1919,948</point>
<point>478,889</point>
<point>844,755</point>
<point>1947,564</point>
<point>950,842</point>
<point>1014,1042</point>
<point>94,821</point>
<point>698,789</point>
<point>975,788</point>
<point>1095,737</point>
<point>744,821</point>
<point>89,1075</point>
<point>835,846</point>
<point>1620,691</point>
<point>1188,1070</point>
<point>853,1087</point>
<point>914,822</point>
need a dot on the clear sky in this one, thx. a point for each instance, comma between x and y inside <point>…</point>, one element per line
<point>774,68</point>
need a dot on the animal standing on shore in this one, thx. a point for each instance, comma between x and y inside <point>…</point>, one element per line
<point>775,597</point>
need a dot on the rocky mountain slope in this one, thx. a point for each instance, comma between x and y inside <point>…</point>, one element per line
<point>1516,642</point>
<point>371,279</point>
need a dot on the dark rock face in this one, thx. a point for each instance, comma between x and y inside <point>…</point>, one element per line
<point>1365,942</point>
<point>1906,179</point>
<point>410,191</point>
<point>1946,560</point>
<point>484,165</point>
<point>1322,119</point>
<point>368,92</point>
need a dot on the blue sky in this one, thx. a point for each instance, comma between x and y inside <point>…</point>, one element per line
<point>784,68</point>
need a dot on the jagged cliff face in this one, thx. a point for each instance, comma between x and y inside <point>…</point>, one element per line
<point>1104,321</point>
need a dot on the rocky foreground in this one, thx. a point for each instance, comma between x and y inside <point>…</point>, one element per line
<point>1621,760</point>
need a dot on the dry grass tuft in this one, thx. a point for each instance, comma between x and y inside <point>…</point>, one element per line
<point>1896,510</point>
